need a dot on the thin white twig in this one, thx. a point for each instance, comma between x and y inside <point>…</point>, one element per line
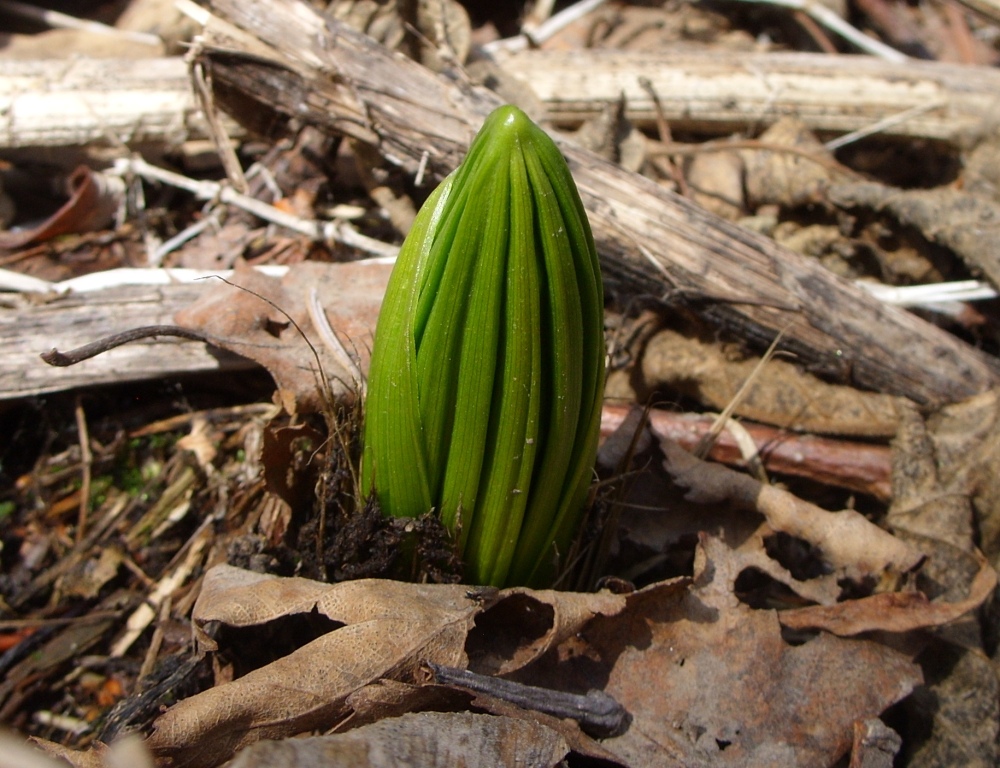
<point>157,255</point>
<point>834,23</point>
<point>544,31</point>
<point>224,148</point>
<point>540,13</point>
<point>209,190</point>
<point>932,293</point>
<point>143,616</point>
<point>881,125</point>
<point>262,171</point>
<point>19,283</point>
<point>419,178</point>
<point>112,278</point>
<point>74,725</point>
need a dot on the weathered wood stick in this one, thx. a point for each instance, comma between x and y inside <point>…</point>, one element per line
<point>719,91</point>
<point>50,103</point>
<point>863,467</point>
<point>77,102</point>
<point>651,242</point>
<point>74,320</point>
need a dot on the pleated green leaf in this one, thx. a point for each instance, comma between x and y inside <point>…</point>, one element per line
<point>487,372</point>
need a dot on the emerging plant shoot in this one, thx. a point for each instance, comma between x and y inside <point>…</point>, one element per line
<point>487,372</point>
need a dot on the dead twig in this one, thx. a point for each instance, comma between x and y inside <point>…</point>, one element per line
<point>596,711</point>
<point>334,231</point>
<point>850,464</point>
<point>86,467</point>
<point>94,348</point>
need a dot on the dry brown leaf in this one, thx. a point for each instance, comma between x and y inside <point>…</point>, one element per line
<point>849,542</point>
<point>967,224</point>
<point>966,438</point>
<point>389,628</point>
<point>427,739</point>
<point>892,612</point>
<point>728,689</point>
<point>781,394</point>
<point>935,518</point>
<point>938,469</point>
<point>955,717</point>
<point>446,33</point>
<point>752,554</point>
<point>201,441</point>
<point>875,744</point>
<point>522,625</point>
<point>127,752</point>
<point>789,178</point>
<point>716,183</point>
<point>922,505</point>
<point>89,577</point>
<point>375,629</point>
<point>219,247</point>
<point>350,294</point>
<point>93,200</point>
<point>285,455</point>
<point>41,753</point>
<point>709,681</point>
<point>391,698</point>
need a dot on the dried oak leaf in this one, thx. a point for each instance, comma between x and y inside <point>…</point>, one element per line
<point>522,625</point>
<point>386,629</point>
<point>427,739</point>
<point>875,744</point>
<point>849,542</point>
<point>94,199</point>
<point>966,447</point>
<point>128,751</point>
<point>446,33</point>
<point>709,681</point>
<point>892,612</point>
<point>941,470</point>
<point>41,753</point>
<point>967,224</point>
<point>934,516</point>
<point>790,178</point>
<point>390,698</point>
<point>716,183</point>
<point>371,630</point>
<point>348,293</point>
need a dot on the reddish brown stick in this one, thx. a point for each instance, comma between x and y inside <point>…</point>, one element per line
<point>857,466</point>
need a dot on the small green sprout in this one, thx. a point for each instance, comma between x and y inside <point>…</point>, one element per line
<point>487,372</point>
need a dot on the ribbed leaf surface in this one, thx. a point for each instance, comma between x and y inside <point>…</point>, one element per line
<point>488,365</point>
